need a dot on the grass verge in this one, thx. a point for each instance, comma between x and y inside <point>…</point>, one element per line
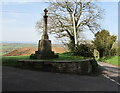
<point>12,60</point>
<point>112,60</point>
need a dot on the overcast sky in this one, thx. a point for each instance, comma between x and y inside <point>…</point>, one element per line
<point>19,19</point>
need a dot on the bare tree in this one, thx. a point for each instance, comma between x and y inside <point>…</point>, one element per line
<point>67,17</point>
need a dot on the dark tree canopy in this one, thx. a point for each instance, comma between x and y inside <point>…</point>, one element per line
<point>103,42</point>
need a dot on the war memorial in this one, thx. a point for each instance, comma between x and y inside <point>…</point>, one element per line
<point>44,46</point>
<point>44,52</point>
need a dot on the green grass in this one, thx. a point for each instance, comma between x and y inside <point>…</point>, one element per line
<point>68,56</point>
<point>1,53</point>
<point>112,60</point>
<point>12,60</point>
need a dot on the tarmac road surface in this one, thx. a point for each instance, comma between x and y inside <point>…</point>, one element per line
<point>15,79</point>
<point>112,71</point>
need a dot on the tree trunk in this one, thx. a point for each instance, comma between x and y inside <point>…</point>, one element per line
<point>72,41</point>
<point>72,38</point>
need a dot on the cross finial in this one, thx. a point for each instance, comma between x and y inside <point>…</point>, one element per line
<point>45,11</point>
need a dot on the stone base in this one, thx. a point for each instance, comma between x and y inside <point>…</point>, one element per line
<point>44,50</point>
<point>39,55</point>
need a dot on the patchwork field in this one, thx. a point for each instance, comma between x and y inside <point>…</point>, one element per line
<point>17,49</point>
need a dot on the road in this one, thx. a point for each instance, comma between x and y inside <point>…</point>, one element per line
<point>111,71</point>
<point>15,79</point>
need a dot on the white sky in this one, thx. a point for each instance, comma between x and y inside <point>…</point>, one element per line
<point>19,19</point>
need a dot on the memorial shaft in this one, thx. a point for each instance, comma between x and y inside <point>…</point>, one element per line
<point>45,34</point>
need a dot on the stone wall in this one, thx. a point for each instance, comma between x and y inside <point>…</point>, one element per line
<point>85,67</point>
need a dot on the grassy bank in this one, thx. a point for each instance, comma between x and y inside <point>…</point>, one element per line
<point>112,60</point>
<point>12,60</point>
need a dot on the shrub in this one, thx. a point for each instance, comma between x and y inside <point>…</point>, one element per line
<point>118,51</point>
<point>85,50</point>
<point>113,52</point>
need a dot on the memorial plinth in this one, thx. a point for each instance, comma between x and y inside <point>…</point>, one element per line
<point>44,45</point>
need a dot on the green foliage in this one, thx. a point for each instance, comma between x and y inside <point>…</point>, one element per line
<point>113,52</point>
<point>85,50</point>
<point>103,42</point>
<point>71,47</point>
<point>118,51</point>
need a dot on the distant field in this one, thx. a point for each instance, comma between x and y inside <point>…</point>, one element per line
<point>19,49</point>
<point>8,47</point>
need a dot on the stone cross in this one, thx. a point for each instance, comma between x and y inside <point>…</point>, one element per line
<point>45,34</point>
<point>44,46</point>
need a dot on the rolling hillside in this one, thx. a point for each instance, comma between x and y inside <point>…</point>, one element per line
<point>17,49</point>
